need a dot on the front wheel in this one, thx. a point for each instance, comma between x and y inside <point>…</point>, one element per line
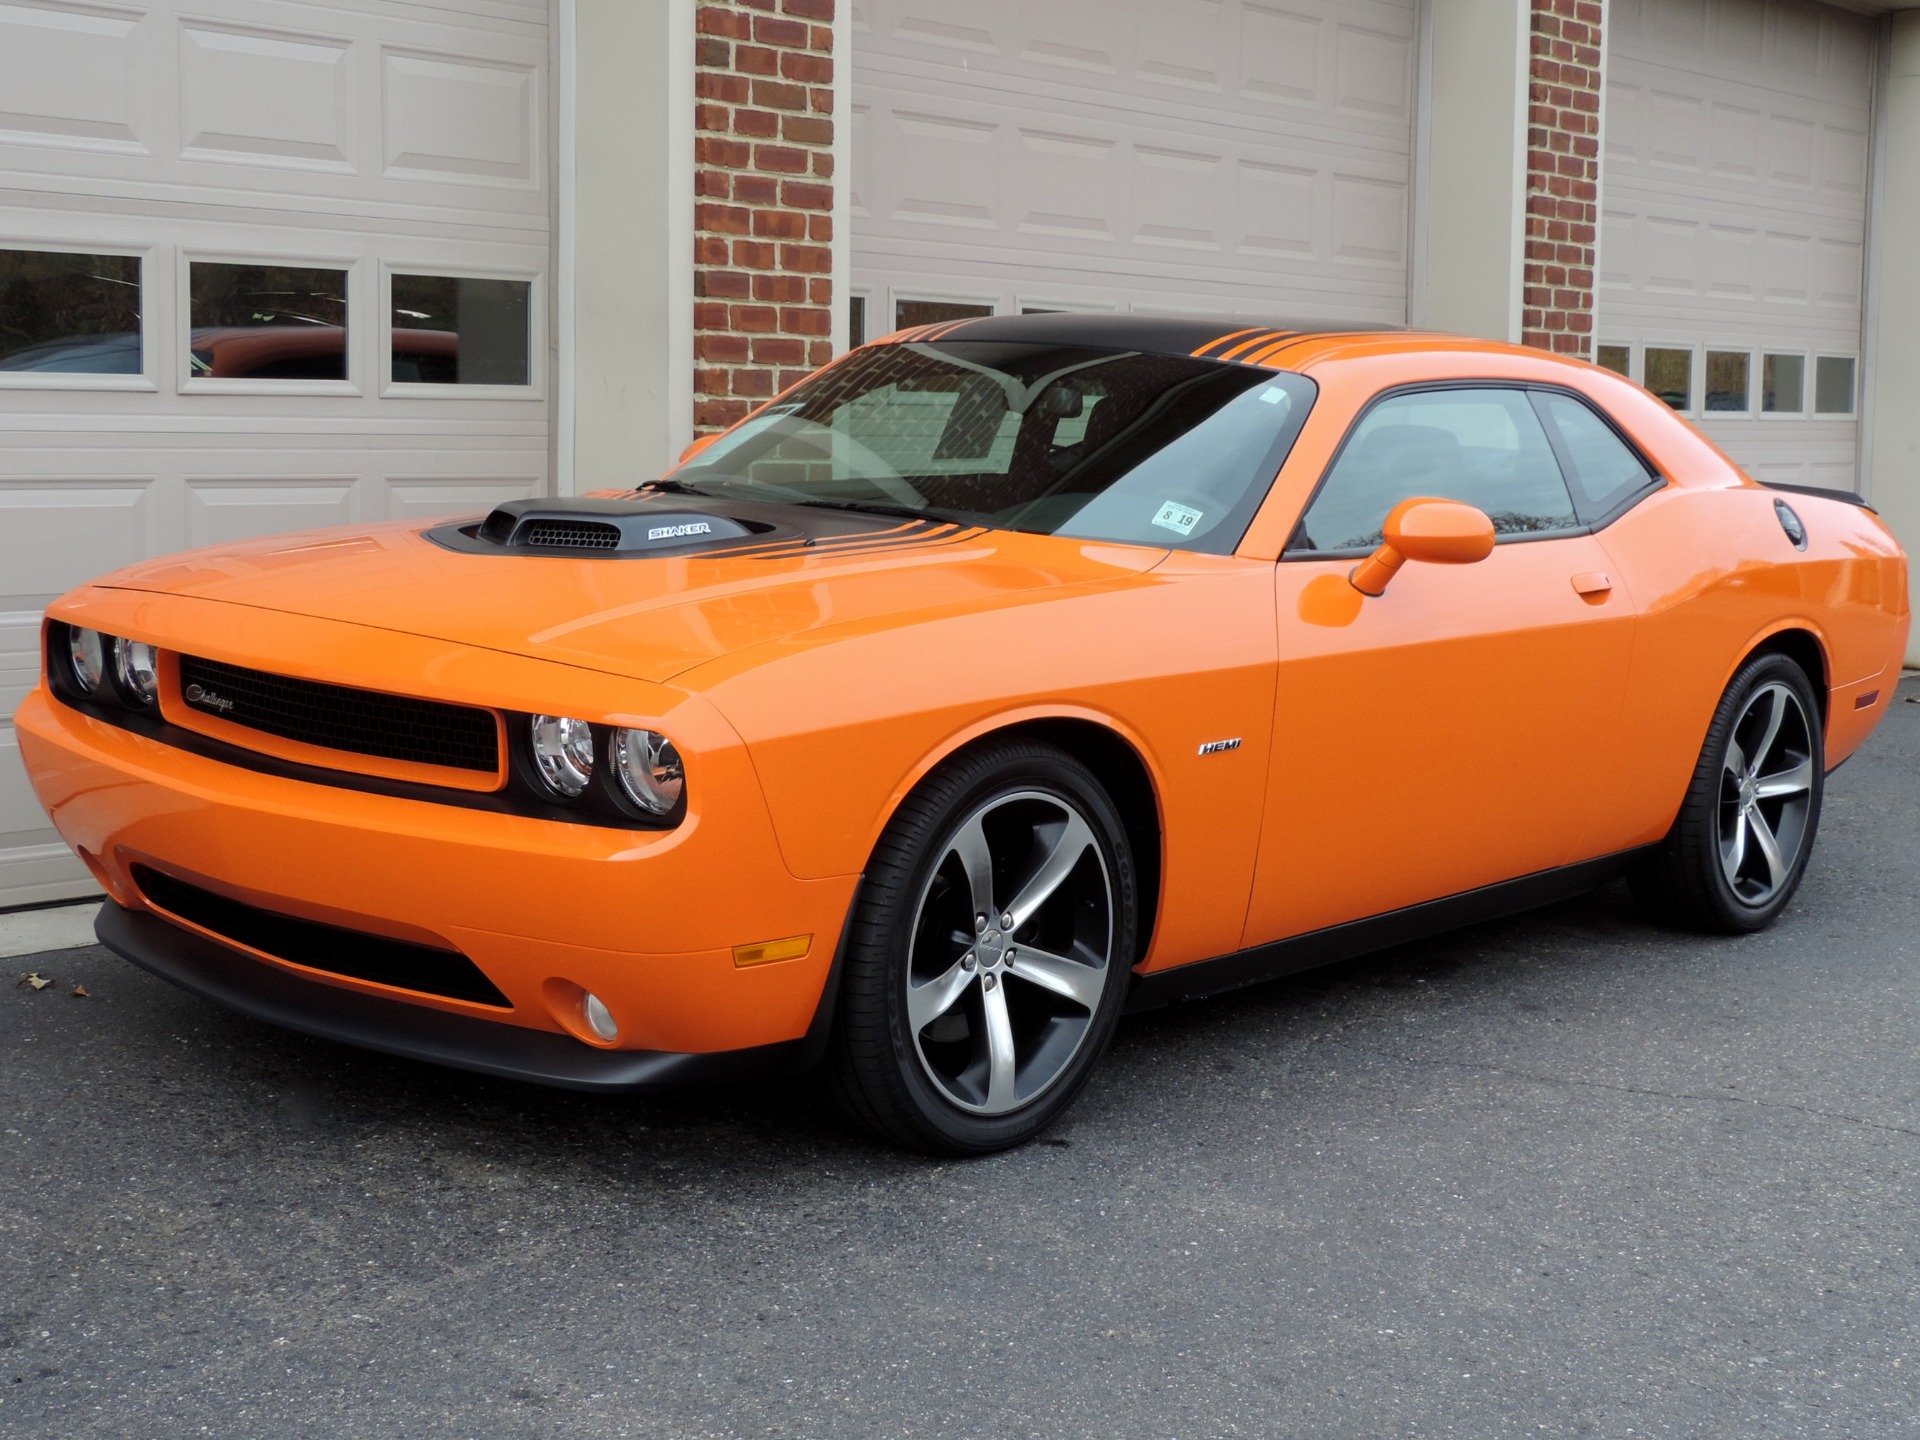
<point>989,955</point>
<point>1740,845</point>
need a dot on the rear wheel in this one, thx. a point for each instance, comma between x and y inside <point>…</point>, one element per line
<point>1740,845</point>
<point>989,955</point>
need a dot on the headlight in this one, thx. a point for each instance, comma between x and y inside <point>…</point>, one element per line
<point>563,751</point>
<point>649,769</point>
<point>139,670</point>
<point>86,658</point>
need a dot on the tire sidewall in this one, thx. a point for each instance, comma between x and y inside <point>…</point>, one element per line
<point>884,931</point>
<point>1761,671</point>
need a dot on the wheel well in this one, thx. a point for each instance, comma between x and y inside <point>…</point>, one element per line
<point>1117,766</point>
<point>1804,649</point>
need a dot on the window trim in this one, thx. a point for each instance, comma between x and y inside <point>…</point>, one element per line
<point>535,281</point>
<point>147,380</point>
<point>1657,480</point>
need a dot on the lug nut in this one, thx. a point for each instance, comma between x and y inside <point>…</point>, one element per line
<point>1006,921</point>
<point>989,982</point>
<point>966,962</point>
<point>979,924</point>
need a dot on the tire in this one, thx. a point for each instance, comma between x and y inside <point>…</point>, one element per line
<point>956,1034</point>
<point>1739,847</point>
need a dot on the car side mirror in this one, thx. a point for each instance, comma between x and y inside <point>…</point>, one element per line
<point>1440,532</point>
<point>700,443</point>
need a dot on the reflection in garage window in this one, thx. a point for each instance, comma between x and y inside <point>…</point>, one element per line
<point>1616,358</point>
<point>67,314</point>
<point>856,321</point>
<point>1727,380</point>
<point>1833,385</point>
<point>1783,384</point>
<point>453,331</point>
<point>1668,373</point>
<point>267,322</point>
<point>933,312</point>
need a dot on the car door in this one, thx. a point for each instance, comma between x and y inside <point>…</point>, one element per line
<point>1461,728</point>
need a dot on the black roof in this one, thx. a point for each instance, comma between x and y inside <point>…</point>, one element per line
<point>1155,334</point>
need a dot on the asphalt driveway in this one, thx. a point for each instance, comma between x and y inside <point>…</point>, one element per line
<point>1564,1175</point>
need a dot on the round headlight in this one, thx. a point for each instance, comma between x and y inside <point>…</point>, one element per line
<point>139,670</point>
<point>86,658</point>
<point>650,770</point>
<point>563,751</point>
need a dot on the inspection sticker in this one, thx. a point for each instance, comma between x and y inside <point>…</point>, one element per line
<point>1177,518</point>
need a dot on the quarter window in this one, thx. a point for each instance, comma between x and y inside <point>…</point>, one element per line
<point>1485,448</point>
<point>1604,471</point>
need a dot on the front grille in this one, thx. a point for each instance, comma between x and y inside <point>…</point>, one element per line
<point>338,717</point>
<point>570,535</point>
<point>331,948</point>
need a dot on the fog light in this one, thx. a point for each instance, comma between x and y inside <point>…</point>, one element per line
<point>139,669</point>
<point>599,1018</point>
<point>87,656</point>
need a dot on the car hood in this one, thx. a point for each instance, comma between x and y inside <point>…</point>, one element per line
<point>646,617</point>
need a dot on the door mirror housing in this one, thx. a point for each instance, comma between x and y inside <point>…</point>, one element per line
<point>1440,532</point>
<point>700,442</point>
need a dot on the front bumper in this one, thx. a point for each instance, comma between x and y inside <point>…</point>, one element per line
<point>230,978</point>
<point>647,921</point>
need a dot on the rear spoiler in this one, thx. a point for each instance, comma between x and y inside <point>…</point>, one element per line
<point>1845,497</point>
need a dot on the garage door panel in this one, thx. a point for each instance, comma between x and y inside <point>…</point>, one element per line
<point>1735,204</point>
<point>70,76</point>
<point>1209,156</point>
<point>220,512</point>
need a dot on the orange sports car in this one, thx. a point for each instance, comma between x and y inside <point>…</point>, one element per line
<point>998,678</point>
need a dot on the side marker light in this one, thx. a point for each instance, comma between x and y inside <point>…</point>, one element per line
<point>768,951</point>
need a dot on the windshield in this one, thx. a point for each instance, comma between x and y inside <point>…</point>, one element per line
<point>1098,444</point>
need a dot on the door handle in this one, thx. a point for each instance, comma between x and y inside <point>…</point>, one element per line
<point>1593,585</point>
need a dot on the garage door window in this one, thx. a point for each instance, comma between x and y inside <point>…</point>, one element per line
<point>1727,372</point>
<point>1668,373</point>
<point>267,322</point>
<point>1783,384</point>
<point>908,313</point>
<point>456,330</point>
<point>69,314</point>
<point>1833,385</point>
<point>1485,448</point>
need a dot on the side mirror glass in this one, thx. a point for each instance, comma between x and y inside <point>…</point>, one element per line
<point>1440,532</point>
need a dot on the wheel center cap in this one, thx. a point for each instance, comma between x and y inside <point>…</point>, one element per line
<point>1749,791</point>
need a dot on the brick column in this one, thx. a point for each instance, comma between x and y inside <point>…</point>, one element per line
<point>763,201</point>
<point>1563,176</point>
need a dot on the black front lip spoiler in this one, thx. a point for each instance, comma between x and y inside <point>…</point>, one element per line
<point>417,1032</point>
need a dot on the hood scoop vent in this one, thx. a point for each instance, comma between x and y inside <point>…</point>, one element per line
<point>615,529</point>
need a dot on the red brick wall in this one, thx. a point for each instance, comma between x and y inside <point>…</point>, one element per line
<point>1563,176</point>
<point>763,200</point>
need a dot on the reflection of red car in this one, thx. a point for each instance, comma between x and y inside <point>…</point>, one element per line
<point>315,352</point>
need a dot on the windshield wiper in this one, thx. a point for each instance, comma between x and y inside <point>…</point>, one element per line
<point>678,487</point>
<point>880,507</point>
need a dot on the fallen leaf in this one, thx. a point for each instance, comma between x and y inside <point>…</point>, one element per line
<point>79,992</point>
<point>36,980</point>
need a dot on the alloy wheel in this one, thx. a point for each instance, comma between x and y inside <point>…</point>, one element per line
<point>1012,940</point>
<point>1766,793</point>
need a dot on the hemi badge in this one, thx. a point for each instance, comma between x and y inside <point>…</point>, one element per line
<point>1214,747</point>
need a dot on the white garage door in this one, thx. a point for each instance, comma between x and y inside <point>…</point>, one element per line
<point>1734,193</point>
<point>1205,156</point>
<point>263,266</point>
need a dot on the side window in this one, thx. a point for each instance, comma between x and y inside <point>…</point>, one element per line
<point>1604,471</point>
<point>1485,448</point>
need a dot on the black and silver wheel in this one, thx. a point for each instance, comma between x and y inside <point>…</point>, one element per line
<point>990,953</point>
<point>1740,845</point>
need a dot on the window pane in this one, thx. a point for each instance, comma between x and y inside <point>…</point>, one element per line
<point>1482,447</point>
<point>1833,385</point>
<point>907,313</point>
<point>1727,380</point>
<point>1605,471</point>
<point>1160,450</point>
<point>69,314</point>
<point>1669,374</point>
<point>268,322</point>
<point>1617,358</point>
<point>449,331</point>
<point>856,321</point>
<point>1783,383</point>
